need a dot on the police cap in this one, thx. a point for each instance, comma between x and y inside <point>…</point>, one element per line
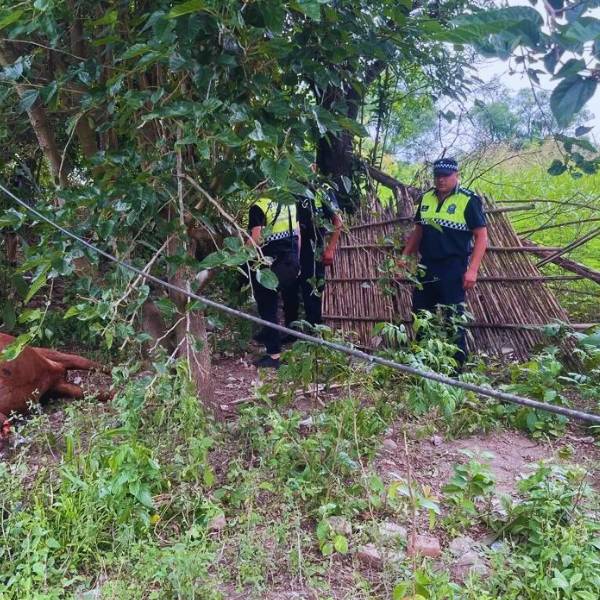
<point>445,166</point>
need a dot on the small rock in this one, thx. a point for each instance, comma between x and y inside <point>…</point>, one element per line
<point>395,557</point>
<point>369,555</point>
<point>389,531</point>
<point>498,546</point>
<point>340,525</point>
<point>94,594</point>
<point>77,380</point>
<point>461,545</point>
<point>394,476</point>
<point>390,445</point>
<point>469,563</point>
<point>437,440</point>
<point>217,523</point>
<point>427,545</point>
<point>308,422</point>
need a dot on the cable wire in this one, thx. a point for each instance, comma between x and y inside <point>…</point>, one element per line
<point>432,376</point>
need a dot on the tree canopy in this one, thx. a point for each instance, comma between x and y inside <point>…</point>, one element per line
<point>140,124</point>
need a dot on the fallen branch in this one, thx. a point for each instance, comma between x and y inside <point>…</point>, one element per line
<point>566,263</point>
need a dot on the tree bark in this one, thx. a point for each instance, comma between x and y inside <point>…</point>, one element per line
<point>39,123</point>
<point>335,153</point>
<point>191,336</point>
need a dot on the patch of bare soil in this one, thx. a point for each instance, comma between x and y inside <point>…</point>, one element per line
<point>235,378</point>
<point>512,454</point>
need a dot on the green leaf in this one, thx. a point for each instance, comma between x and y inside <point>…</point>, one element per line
<point>11,218</point>
<point>352,126</point>
<point>185,8</point>
<point>400,591</point>
<point>311,8</point>
<point>28,99</point>
<point>144,497</point>
<point>15,348</point>
<point>340,543</point>
<point>37,283</point>
<point>208,478</point>
<point>569,97</point>
<point>109,18</point>
<point>214,259</point>
<point>557,167</point>
<point>583,29</point>
<point>323,529</point>
<point>135,51</point>
<point>471,28</point>
<point>276,170</point>
<point>267,278</point>
<point>10,17</point>
<point>571,67</point>
<point>327,549</point>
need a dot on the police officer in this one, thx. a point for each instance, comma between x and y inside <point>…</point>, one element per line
<point>273,226</point>
<point>450,234</point>
<point>317,216</point>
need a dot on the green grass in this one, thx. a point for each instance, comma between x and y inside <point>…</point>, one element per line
<point>117,501</point>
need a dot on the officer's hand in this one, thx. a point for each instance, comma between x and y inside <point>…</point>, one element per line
<point>327,257</point>
<point>469,279</point>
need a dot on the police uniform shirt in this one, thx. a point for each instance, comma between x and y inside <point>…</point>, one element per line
<point>257,218</point>
<point>312,215</point>
<point>444,236</point>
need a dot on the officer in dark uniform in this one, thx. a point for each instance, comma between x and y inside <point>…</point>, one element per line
<point>319,218</point>
<point>274,227</point>
<point>450,234</point>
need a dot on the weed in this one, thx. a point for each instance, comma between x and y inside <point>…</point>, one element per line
<point>538,379</point>
<point>470,483</point>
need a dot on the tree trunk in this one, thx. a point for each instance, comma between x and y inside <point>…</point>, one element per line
<point>39,123</point>
<point>191,336</point>
<point>335,153</point>
<point>191,339</point>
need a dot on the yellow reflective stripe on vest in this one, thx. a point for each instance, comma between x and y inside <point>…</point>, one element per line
<point>279,224</point>
<point>451,213</point>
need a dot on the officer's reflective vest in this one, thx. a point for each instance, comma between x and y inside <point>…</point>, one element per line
<point>452,211</point>
<point>280,218</point>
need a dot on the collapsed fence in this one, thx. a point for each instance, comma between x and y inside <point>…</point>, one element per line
<point>348,350</point>
<point>510,306</point>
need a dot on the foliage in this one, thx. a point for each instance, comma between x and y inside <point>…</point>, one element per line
<point>558,553</point>
<point>470,482</point>
<point>106,497</point>
<point>539,379</point>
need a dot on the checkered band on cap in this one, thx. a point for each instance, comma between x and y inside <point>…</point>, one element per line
<point>445,164</point>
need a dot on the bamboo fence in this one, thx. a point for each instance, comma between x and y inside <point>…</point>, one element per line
<point>508,304</point>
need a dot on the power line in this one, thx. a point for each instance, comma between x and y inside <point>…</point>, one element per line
<point>432,376</point>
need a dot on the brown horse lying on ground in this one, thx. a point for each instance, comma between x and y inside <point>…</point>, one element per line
<point>35,373</point>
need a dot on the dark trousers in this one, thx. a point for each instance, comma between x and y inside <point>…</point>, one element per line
<point>312,284</point>
<point>267,301</point>
<point>442,284</point>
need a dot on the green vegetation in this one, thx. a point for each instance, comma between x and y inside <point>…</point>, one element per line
<point>150,498</point>
<point>148,127</point>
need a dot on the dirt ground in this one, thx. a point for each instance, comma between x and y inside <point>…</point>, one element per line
<point>431,460</point>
